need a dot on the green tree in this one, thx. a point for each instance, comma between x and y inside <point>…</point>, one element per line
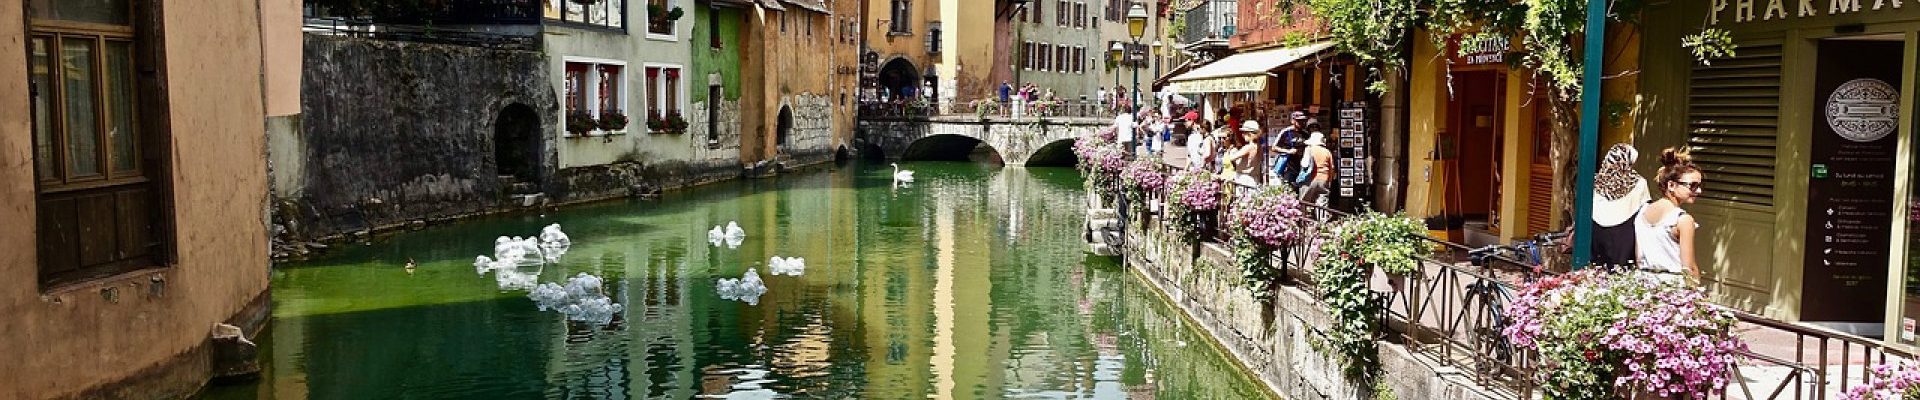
<point>1550,33</point>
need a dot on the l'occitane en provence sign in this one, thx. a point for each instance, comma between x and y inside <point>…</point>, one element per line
<point>1741,11</point>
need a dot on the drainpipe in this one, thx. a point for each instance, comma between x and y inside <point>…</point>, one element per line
<point>1589,144</point>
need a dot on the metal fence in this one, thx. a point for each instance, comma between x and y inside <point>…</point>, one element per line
<point>988,109</point>
<point>1444,312</point>
<point>477,36</point>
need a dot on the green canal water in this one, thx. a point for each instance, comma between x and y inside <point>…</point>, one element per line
<point>971,283</point>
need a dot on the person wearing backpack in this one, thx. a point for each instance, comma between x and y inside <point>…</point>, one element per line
<point>1316,167</point>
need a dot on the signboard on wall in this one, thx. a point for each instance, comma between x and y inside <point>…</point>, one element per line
<point>1850,185</point>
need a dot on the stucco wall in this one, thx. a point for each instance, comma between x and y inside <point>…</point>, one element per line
<point>399,131</point>
<point>127,335</point>
<point>636,49</point>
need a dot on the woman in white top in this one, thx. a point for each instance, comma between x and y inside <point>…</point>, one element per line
<point>1664,231</point>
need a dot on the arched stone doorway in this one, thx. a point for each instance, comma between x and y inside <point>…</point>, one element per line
<point>516,143</point>
<point>783,128</point>
<point>900,78</point>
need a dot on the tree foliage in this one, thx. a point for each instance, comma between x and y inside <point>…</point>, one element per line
<point>1549,31</point>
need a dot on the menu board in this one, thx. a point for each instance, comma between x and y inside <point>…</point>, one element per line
<point>1850,187</point>
<point>1353,176</point>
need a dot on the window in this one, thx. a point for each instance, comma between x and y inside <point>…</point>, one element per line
<point>1026,56</point>
<point>595,89</point>
<point>1039,11</point>
<point>1080,15</point>
<point>663,91</point>
<point>713,114</point>
<point>1080,59</point>
<point>98,176</point>
<point>713,27</point>
<point>1065,58</point>
<point>1062,12</point>
<point>658,22</point>
<point>604,13</point>
<point>1046,57</point>
<point>933,38</point>
<point>902,13</point>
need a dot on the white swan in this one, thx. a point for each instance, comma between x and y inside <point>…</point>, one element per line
<point>902,176</point>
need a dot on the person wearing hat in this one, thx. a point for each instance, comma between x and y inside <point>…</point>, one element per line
<point>1317,166</point>
<point>1198,144</point>
<point>1286,148</point>
<point>1242,158</point>
<point>1618,195</point>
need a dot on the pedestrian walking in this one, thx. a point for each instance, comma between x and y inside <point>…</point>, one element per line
<point>1664,231</point>
<point>1123,130</point>
<point>1286,149</point>
<point>1317,166</point>
<point>1199,143</point>
<point>1619,194</point>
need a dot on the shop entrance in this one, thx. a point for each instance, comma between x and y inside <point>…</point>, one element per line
<point>1472,144</point>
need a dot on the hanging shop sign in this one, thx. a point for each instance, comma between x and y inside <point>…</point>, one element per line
<point>1484,49</point>
<point>1253,83</point>
<point>1742,11</point>
<point>1850,187</point>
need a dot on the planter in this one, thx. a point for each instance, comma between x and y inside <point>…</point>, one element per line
<point>1395,283</point>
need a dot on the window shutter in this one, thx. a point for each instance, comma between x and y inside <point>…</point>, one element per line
<point>1733,109</point>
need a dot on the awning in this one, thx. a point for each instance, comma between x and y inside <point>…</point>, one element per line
<point>1244,72</point>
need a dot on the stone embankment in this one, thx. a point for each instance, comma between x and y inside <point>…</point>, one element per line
<point>1275,342</point>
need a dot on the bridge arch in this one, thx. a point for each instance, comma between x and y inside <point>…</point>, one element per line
<point>1058,153</point>
<point>952,147</point>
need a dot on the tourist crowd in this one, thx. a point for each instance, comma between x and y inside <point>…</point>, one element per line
<point>1239,151</point>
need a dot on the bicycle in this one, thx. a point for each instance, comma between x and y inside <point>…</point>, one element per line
<point>1486,299</point>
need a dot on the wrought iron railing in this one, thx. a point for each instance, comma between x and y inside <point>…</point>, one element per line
<point>526,40</point>
<point>1443,312</point>
<point>988,109</point>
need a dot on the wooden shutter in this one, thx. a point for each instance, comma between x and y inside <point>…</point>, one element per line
<point>1733,121</point>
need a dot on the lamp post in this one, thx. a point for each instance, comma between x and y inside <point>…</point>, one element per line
<point>1118,54</point>
<point>1136,27</point>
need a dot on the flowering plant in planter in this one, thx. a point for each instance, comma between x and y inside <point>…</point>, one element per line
<point>1354,308</point>
<point>1393,243</point>
<point>613,120</point>
<point>579,123</point>
<point>655,124</point>
<point>1264,221</point>
<point>676,123</point>
<point>1898,380</point>
<point>1193,199</point>
<point>1102,163</point>
<point>1143,178</point>
<point>1600,335</point>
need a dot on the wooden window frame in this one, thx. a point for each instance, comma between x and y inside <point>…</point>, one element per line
<point>148,125</point>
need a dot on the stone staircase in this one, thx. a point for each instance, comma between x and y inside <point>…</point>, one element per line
<point>519,193</point>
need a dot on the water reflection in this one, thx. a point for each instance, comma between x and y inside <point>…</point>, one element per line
<point>972,283</point>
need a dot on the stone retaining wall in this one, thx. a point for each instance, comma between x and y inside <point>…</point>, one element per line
<point>1276,346</point>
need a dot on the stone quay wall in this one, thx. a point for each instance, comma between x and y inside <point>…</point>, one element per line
<point>1205,284</point>
<point>395,132</point>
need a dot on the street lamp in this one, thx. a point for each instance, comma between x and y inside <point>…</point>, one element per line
<point>1136,27</point>
<point>1118,53</point>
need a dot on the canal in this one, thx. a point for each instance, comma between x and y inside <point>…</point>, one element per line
<point>970,283</point>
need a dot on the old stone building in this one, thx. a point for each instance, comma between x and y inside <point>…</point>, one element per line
<point>134,189</point>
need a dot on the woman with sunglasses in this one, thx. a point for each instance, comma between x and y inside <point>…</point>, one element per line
<point>1663,230</point>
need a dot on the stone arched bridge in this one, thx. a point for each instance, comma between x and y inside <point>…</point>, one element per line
<point>1024,141</point>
